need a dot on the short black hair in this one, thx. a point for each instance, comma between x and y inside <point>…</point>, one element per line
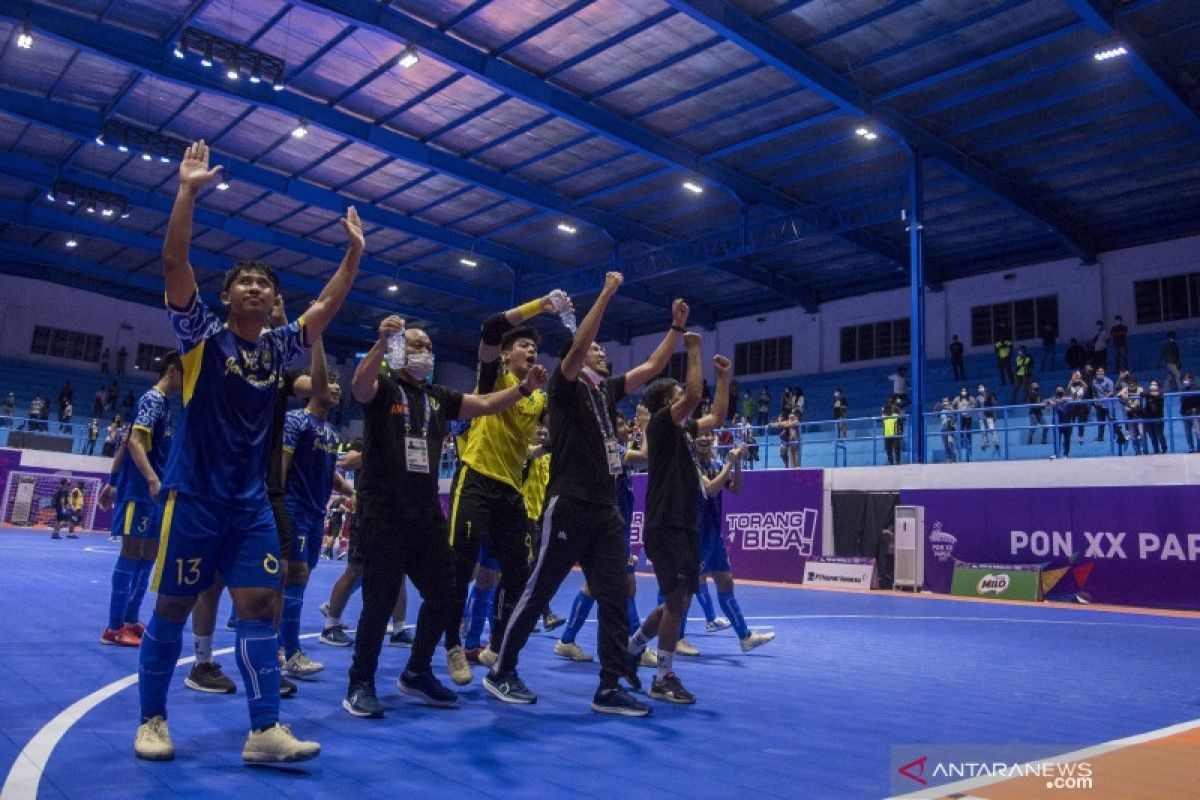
<point>658,393</point>
<point>523,332</point>
<point>170,359</point>
<point>248,265</point>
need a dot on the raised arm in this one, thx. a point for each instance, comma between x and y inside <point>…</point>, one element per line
<point>495,326</point>
<point>716,417</point>
<point>365,383</point>
<point>585,334</point>
<point>194,172</point>
<point>478,405</point>
<point>640,456</point>
<point>321,313</point>
<point>653,366</point>
<point>318,373</point>
<point>683,408</point>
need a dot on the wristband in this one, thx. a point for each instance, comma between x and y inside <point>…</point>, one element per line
<point>524,390</point>
<point>531,309</point>
<point>678,329</point>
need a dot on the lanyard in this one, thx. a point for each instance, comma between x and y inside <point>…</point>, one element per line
<point>602,417</point>
<point>407,420</point>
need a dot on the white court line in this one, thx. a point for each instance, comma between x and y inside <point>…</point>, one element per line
<point>1088,752</point>
<point>25,776</point>
<point>1017,620</point>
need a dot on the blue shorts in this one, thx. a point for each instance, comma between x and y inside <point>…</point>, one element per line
<point>64,515</point>
<point>486,559</point>
<point>713,555</point>
<point>136,519</point>
<point>201,538</point>
<point>308,529</point>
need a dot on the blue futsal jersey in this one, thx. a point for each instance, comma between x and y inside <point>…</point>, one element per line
<point>153,419</point>
<point>223,443</point>
<point>708,520</point>
<point>314,448</point>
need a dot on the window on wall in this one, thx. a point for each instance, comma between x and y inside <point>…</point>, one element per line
<point>875,340</point>
<point>1018,319</point>
<point>1167,299</point>
<point>764,355</point>
<point>61,343</point>
<point>149,356</point>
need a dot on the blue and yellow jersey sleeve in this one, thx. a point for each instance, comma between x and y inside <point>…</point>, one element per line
<point>289,341</point>
<point>150,414</point>
<point>293,429</point>
<point>192,324</point>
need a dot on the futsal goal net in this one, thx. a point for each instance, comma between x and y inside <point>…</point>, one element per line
<point>29,498</point>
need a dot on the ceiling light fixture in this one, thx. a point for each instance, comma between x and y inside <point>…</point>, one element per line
<point>408,57</point>
<point>1111,50</point>
<point>468,262</point>
<point>206,59</point>
<point>866,133</point>
<point>25,39</point>
<point>301,129</point>
<point>178,51</point>
<point>100,139</point>
<point>393,287</point>
<point>147,157</point>
<point>566,227</point>
<point>693,187</point>
<point>108,212</point>
<point>223,185</point>
<point>72,242</point>
<point>50,195</point>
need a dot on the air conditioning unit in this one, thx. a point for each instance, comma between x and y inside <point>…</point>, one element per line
<point>910,547</point>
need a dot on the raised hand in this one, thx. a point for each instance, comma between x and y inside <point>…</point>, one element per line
<point>537,378</point>
<point>679,313</point>
<point>193,169</point>
<point>736,454</point>
<point>547,304</point>
<point>278,312</point>
<point>391,324</point>
<point>612,282</point>
<point>721,364</point>
<point>642,416</point>
<point>691,340</point>
<point>354,231</point>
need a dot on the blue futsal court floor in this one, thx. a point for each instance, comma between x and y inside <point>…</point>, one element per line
<point>811,715</point>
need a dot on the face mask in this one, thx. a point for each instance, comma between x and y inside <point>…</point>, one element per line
<point>419,365</point>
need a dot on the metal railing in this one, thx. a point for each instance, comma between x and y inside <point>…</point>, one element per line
<point>50,434</point>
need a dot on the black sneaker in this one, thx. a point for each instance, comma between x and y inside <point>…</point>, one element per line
<point>208,678</point>
<point>509,688</point>
<point>287,689</point>
<point>335,636</point>
<point>424,686</point>
<point>401,638</point>
<point>669,689</point>
<point>361,701</point>
<point>551,621</point>
<point>618,701</point>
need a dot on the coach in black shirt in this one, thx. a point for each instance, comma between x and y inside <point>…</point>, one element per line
<point>401,527</point>
<point>580,521</point>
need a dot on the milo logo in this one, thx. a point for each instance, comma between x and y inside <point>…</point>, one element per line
<point>993,583</point>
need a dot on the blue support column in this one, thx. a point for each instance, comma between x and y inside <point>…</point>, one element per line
<point>916,254</point>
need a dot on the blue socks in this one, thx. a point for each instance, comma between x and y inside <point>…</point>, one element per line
<point>137,589</point>
<point>258,659</point>
<point>635,622</point>
<point>479,605</point>
<point>581,608</point>
<point>122,579</point>
<point>156,664</point>
<point>729,605</point>
<point>289,622</point>
<point>706,602</point>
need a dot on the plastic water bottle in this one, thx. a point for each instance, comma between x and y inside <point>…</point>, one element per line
<point>562,306</point>
<point>396,350</point>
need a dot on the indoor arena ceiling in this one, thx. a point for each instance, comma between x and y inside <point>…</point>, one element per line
<point>748,154</point>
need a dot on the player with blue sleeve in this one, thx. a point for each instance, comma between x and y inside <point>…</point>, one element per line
<point>137,479</point>
<point>310,452</point>
<point>214,510</point>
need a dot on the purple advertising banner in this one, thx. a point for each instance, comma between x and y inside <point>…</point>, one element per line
<point>1137,546</point>
<point>771,529</point>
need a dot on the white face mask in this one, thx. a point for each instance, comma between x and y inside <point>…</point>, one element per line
<point>419,365</point>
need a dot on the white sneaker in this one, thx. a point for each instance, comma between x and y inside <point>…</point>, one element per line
<point>718,624</point>
<point>684,648</point>
<point>278,743</point>
<point>650,657</point>
<point>301,666</point>
<point>488,657</point>
<point>571,651</point>
<point>153,740</point>
<point>756,640</point>
<point>456,661</point>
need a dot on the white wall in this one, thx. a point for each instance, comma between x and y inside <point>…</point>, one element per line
<point>25,303</point>
<point>1085,294</point>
